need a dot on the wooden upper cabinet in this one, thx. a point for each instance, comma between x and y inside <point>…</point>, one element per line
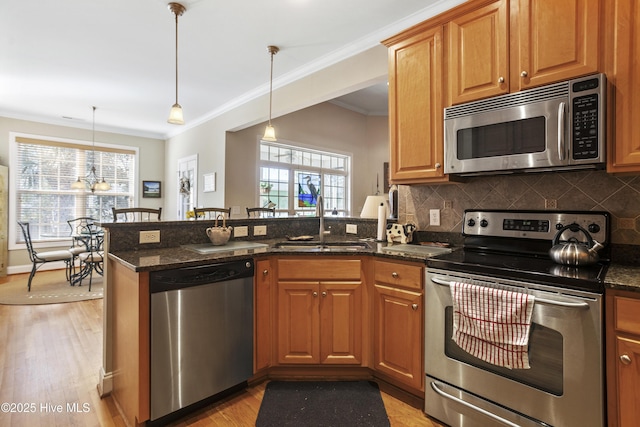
<point>554,41</point>
<point>623,69</point>
<point>478,53</point>
<point>507,46</point>
<point>416,108</point>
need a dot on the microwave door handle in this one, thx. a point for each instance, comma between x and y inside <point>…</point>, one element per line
<point>561,130</point>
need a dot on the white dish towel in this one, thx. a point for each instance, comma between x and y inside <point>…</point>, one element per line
<point>492,324</point>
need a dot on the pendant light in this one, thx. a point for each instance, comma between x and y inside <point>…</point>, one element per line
<point>270,132</point>
<point>175,116</point>
<point>91,181</point>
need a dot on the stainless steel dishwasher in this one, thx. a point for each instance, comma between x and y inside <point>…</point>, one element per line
<point>201,336</point>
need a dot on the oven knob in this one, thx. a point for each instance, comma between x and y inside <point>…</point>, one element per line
<point>559,226</point>
<point>484,223</point>
<point>593,228</point>
<point>471,222</point>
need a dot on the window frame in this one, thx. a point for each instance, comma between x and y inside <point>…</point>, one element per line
<point>13,230</point>
<point>294,168</point>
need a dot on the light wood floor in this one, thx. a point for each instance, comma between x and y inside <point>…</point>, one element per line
<point>50,357</point>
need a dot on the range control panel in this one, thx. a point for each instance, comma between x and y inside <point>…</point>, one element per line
<point>536,224</point>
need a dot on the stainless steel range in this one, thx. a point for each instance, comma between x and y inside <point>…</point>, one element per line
<point>564,384</point>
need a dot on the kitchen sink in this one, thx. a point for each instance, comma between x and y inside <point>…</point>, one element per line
<point>317,246</point>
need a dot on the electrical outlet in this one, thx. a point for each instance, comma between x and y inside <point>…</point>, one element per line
<point>352,228</point>
<point>448,204</point>
<point>150,236</point>
<point>242,231</point>
<point>434,217</point>
<point>260,230</point>
<point>550,204</point>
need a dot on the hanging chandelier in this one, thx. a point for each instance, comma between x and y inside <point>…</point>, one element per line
<point>91,181</point>
<point>175,116</point>
<point>270,132</point>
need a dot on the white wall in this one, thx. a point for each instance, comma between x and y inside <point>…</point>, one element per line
<point>324,126</point>
<point>209,140</point>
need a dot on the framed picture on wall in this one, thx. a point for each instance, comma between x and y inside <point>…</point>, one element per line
<point>152,189</point>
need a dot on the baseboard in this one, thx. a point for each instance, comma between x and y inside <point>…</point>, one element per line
<point>105,382</point>
<point>26,268</point>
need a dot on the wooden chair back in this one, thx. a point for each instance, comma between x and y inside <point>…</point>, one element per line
<point>136,214</point>
<point>211,213</point>
<point>260,212</point>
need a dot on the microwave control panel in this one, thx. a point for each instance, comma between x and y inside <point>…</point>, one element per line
<point>586,118</point>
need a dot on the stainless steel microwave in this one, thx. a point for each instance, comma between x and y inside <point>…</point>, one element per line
<point>555,127</point>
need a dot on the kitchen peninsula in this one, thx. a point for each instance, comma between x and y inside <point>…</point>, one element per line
<point>370,279</point>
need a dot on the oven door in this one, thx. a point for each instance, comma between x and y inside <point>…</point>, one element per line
<point>565,385</point>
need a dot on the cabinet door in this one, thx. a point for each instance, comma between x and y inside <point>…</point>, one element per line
<point>557,40</point>
<point>478,60</point>
<point>341,323</point>
<point>262,324</point>
<point>623,49</point>
<point>298,323</point>
<point>415,108</point>
<point>628,373</point>
<point>398,337</point>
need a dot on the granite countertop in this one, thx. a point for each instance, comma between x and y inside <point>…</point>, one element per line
<point>619,277</point>
<point>182,256</point>
<point>623,277</point>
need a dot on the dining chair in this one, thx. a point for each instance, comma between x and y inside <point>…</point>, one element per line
<point>82,229</point>
<point>38,259</point>
<point>136,214</point>
<point>89,262</point>
<point>211,213</point>
<point>260,212</point>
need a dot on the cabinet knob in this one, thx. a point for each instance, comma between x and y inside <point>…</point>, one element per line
<point>315,294</point>
<point>414,306</point>
<point>625,359</point>
<point>324,293</point>
<point>500,79</point>
<point>438,165</point>
<point>265,272</point>
<point>524,74</point>
<point>394,275</point>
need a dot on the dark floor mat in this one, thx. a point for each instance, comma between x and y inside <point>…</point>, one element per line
<point>322,404</point>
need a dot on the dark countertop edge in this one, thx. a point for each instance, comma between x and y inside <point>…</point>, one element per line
<point>619,276</point>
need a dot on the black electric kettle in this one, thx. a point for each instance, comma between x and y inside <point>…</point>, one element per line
<point>574,252</point>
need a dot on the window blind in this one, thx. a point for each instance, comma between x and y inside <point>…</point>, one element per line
<point>46,170</point>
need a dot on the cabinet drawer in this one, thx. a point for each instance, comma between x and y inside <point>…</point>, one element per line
<point>410,276</point>
<point>319,269</point>
<point>627,318</point>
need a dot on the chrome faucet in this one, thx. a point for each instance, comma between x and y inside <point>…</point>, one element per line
<point>320,213</point>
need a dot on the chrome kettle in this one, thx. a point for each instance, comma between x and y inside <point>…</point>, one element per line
<point>574,252</point>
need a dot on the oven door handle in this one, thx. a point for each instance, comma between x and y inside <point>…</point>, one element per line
<point>435,388</point>
<point>444,282</point>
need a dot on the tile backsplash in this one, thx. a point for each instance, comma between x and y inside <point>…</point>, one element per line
<point>588,190</point>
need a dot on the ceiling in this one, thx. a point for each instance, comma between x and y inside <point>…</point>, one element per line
<point>58,59</point>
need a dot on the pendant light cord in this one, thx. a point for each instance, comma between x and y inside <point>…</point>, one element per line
<point>176,15</point>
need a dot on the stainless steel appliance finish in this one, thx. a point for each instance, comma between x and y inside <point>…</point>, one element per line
<point>201,335</point>
<point>559,126</point>
<point>565,385</point>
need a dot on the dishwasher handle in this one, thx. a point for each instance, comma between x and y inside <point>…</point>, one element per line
<point>181,278</point>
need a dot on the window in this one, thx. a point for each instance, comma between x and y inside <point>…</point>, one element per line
<point>292,177</point>
<point>42,171</point>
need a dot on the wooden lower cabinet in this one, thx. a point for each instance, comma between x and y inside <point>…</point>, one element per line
<point>623,359</point>
<point>398,322</point>
<point>319,321</point>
